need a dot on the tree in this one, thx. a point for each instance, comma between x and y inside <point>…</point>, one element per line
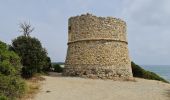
<point>26,28</point>
<point>33,56</point>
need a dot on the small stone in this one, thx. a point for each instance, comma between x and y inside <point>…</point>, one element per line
<point>48,91</point>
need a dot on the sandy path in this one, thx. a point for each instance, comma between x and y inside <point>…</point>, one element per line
<point>71,88</point>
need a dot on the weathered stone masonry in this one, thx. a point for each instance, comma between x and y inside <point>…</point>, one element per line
<point>97,48</point>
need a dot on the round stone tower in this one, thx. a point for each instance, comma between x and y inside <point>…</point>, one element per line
<point>97,48</point>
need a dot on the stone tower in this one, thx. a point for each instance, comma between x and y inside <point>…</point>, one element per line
<point>97,48</point>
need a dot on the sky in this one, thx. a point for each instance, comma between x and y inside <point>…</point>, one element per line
<point>148,24</point>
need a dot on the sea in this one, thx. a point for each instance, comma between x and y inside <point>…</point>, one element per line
<point>162,70</point>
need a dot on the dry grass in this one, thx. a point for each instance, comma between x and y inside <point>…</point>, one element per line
<point>33,86</point>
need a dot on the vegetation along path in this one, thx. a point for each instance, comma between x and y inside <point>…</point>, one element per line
<point>72,88</point>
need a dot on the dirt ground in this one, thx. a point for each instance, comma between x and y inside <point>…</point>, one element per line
<point>56,87</point>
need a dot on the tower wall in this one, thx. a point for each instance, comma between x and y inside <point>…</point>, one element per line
<point>97,47</point>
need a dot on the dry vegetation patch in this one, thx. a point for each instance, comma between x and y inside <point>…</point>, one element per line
<point>33,87</point>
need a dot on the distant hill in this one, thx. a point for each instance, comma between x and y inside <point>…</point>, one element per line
<point>60,63</point>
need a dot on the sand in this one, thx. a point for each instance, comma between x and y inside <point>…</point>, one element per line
<point>74,88</point>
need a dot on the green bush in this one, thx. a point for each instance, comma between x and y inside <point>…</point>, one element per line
<point>9,61</point>
<point>48,65</point>
<point>2,97</point>
<point>33,56</point>
<point>141,73</point>
<point>11,84</point>
<point>57,68</point>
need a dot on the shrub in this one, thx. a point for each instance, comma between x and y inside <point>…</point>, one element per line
<point>141,73</point>
<point>9,61</point>
<point>2,97</point>
<point>57,68</point>
<point>48,65</point>
<point>33,56</point>
<point>11,84</point>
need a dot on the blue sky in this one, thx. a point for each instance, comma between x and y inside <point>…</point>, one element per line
<point>148,24</point>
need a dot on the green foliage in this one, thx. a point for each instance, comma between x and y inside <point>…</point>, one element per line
<point>9,61</point>
<point>11,84</point>
<point>2,97</point>
<point>57,68</point>
<point>48,64</point>
<point>6,68</point>
<point>33,56</point>
<point>140,72</point>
